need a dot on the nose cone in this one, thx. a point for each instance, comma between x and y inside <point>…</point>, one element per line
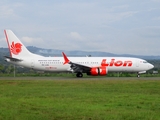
<point>150,66</point>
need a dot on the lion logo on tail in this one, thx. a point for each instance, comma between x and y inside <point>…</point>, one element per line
<point>16,48</point>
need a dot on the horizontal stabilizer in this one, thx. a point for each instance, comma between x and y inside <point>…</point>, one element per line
<point>13,59</point>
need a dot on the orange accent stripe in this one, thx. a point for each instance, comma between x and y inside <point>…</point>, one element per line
<point>7,42</point>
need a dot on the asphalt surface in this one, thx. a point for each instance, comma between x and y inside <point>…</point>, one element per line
<point>84,78</point>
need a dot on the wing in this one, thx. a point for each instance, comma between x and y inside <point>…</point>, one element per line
<point>75,67</point>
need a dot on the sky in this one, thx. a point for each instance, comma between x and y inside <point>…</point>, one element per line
<point>115,26</point>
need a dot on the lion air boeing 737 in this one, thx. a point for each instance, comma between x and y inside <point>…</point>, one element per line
<point>95,66</point>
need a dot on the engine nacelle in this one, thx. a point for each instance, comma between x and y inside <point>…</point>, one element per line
<point>98,71</point>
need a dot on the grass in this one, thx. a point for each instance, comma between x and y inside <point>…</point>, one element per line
<point>82,99</point>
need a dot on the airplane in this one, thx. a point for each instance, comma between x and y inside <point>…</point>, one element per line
<point>95,66</point>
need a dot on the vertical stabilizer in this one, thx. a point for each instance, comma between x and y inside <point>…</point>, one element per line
<point>16,47</point>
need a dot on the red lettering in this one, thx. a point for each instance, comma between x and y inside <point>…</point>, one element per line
<point>129,63</point>
<point>116,63</point>
<point>104,63</point>
<point>112,62</point>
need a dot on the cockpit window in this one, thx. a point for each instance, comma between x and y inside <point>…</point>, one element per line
<point>145,62</point>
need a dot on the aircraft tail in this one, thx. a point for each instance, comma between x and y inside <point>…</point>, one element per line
<point>16,47</point>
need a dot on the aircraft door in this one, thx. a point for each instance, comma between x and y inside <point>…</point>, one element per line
<point>32,63</point>
<point>137,63</point>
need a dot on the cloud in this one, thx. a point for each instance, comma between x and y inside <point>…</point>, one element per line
<point>75,36</point>
<point>6,11</point>
<point>148,32</point>
<point>27,39</point>
<point>9,10</point>
<point>156,0</point>
<point>111,26</point>
<point>122,15</point>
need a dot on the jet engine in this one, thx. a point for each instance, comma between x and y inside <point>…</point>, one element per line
<point>95,71</point>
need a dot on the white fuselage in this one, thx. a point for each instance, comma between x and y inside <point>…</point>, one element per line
<point>113,64</point>
<point>20,55</point>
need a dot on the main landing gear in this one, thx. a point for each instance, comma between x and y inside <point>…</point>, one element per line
<point>138,75</point>
<point>79,74</point>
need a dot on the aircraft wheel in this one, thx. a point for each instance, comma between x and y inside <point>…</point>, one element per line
<point>79,74</point>
<point>138,75</point>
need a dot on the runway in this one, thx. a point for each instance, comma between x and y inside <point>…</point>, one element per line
<point>84,78</point>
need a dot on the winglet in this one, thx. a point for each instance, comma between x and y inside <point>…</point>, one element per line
<point>66,60</point>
